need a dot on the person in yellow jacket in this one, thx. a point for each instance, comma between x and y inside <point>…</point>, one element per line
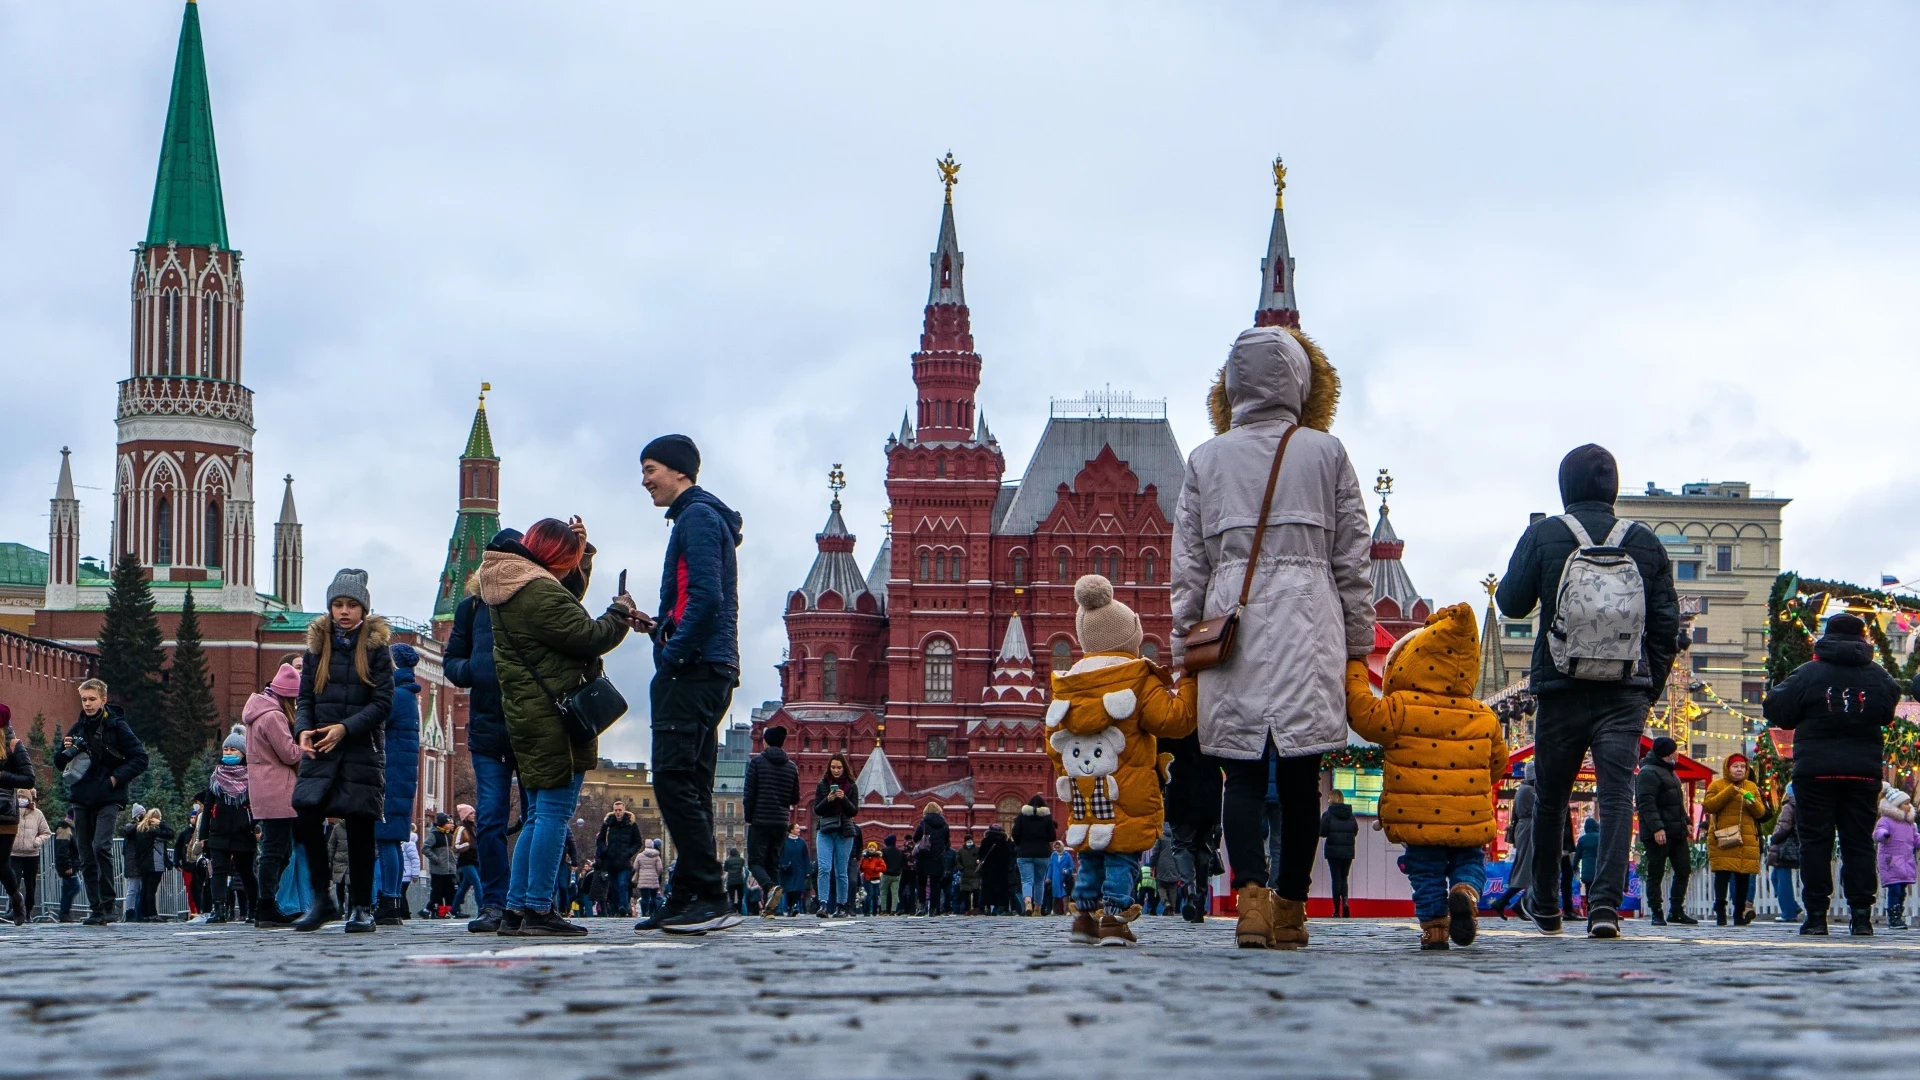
<point>1733,803</point>
<point>1444,754</point>
<point>1109,712</point>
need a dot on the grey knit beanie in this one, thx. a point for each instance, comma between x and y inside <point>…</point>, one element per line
<point>235,740</point>
<point>351,584</point>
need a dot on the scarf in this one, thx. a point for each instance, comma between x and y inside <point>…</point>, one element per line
<point>230,783</point>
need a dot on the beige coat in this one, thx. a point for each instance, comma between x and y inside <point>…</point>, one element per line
<point>1312,603</point>
<point>32,833</point>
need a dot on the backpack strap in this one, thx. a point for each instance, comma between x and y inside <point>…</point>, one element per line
<point>1618,535</point>
<point>1579,531</point>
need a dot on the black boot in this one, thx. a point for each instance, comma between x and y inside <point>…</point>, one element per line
<point>323,911</point>
<point>219,915</point>
<point>1861,922</point>
<point>1656,917</point>
<point>1720,914</point>
<point>268,916</point>
<point>1816,923</point>
<point>387,911</point>
<point>1679,917</point>
<point>360,920</point>
<point>1896,919</point>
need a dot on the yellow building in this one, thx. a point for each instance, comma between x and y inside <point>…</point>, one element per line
<point>629,782</point>
<point>1724,539</point>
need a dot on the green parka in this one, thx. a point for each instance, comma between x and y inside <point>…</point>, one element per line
<point>532,610</point>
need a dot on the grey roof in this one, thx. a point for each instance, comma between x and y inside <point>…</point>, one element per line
<point>1270,298</point>
<point>834,567</point>
<point>64,491</point>
<point>881,571</point>
<point>1147,446</point>
<point>287,514</point>
<point>1390,575</point>
<point>949,246</point>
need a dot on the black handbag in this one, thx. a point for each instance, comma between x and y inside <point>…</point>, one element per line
<point>585,714</point>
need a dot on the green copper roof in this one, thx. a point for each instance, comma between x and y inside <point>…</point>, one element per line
<point>187,208</point>
<point>471,531</point>
<point>480,439</point>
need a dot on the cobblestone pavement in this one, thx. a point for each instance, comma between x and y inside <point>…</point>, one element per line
<point>951,997</point>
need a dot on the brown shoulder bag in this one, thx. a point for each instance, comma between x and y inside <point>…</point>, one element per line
<point>1210,642</point>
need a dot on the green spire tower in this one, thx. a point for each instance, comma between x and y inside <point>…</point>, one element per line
<point>479,516</point>
<point>187,207</point>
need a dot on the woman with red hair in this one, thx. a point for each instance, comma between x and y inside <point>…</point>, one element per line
<point>545,647</point>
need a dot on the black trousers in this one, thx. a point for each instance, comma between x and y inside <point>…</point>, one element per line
<point>1742,890</point>
<point>94,828</point>
<point>1850,806</point>
<point>1653,869</point>
<point>309,831</point>
<point>1337,870</point>
<point>1603,721</point>
<point>1244,817</point>
<point>227,866</point>
<point>276,851</point>
<point>688,706</point>
<point>764,846</point>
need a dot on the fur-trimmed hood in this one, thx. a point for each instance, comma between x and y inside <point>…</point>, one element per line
<point>1041,811</point>
<point>374,634</point>
<point>1274,373</point>
<point>503,574</point>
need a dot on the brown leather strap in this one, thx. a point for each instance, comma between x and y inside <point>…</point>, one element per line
<point>1266,507</point>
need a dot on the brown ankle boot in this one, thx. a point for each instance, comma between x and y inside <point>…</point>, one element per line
<point>1255,928</point>
<point>1289,923</point>
<point>1433,934</point>
<point>1463,907</point>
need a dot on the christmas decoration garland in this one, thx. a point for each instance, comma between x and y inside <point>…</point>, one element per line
<point>1355,757</point>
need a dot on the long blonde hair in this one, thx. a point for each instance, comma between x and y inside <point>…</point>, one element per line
<point>150,820</point>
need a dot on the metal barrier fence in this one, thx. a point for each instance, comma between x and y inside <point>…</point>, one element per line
<point>170,900</point>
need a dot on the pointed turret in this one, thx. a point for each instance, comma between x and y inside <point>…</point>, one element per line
<point>289,561</point>
<point>187,206</point>
<point>1277,306</point>
<point>479,515</point>
<point>1493,666</point>
<point>877,777</point>
<point>63,541</point>
<point>1395,600</point>
<point>946,369</point>
<point>1013,691</point>
<point>834,569</point>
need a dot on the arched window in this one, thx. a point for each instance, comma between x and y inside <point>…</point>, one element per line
<point>926,561</point>
<point>940,466</point>
<point>938,670</point>
<point>209,334</point>
<point>1062,655</point>
<point>830,676</point>
<point>170,332</point>
<point>1146,568</point>
<point>212,534</point>
<point>1060,566</point>
<point>1149,650</point>
<point>1019,568</point>
<point>163,532</point>
<point>953,567</point>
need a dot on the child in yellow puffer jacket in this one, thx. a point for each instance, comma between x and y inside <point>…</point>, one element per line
<point>1444,754</point>
<point>1108,712</point>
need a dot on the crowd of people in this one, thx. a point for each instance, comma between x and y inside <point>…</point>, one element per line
<point>1171,776</point>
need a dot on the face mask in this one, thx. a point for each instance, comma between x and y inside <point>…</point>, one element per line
<point>229,759</point>
<point>23,804</point>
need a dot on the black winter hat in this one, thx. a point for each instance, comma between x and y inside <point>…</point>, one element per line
<point>1846,626</point>
<point>1664,747</point>
<point>676,452</point>
<point>775,736</point>
<point>1588,474</point>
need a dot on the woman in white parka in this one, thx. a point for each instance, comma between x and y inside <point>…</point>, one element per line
<point>1279,702</point>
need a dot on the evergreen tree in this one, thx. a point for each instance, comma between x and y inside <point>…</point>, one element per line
<point>130,654</point>
<point>157,787</point>
<point>48,787</point>
<point>188,720</point>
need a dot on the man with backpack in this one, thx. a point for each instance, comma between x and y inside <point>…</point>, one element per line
<point>1609,631</point>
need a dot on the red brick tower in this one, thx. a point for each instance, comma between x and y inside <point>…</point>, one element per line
<point>1277,306</point>
<point>836,631</point>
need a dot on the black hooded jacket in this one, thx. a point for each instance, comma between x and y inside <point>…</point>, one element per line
<point>114,753</point>
<point>1338,826</point>
<point>1838,706</point>
<point>1659,799</point>
<point>1588,487</point>
<point>772,789</point>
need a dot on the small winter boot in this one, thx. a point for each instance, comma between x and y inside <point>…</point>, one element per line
<point>1896,919</point>
<point>1861,922</point>
<point>1255,928</point>
<point>1433,934</point>
<point>1085,929</point>
<point>389,911</point>
<point>1114,930</point>
<point>1289,923</point>
<point>1463,911</point>
<point>1816,923</point>
<point>1720,914</point>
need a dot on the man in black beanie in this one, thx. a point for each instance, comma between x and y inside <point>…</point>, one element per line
<point>1838,706</point>
<point>696,662</point>
<point>1581,711</point>
<point>1662,806</point>
<point>772,790</point>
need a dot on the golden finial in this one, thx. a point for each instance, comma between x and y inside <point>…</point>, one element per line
<point>888,515</point>
<point>949,173</point>
<point>1383,487</point>
<point>1279,185</point>
<point>484,387</point>
<point>1491,583</point>
<point>836,483</point>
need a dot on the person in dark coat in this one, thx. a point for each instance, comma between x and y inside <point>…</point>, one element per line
<point>1664,829</point>
<point>1586,855</point>
<point>835,836</point>
<point>996,871</point>
<point>225,830</point>
<point>796,870</point>
<point>346,694</point>
<point>932,844</point>
<point>618,842</point>
<point>403,779</point>
<point>1340,831</point>
<point>16,775</point>
<point>114,758</point>
<point>772,791</point>
<point>895,862</point>
<point>1193,808</point>
<point>66,864</point>
<point>1838,706</point>
<point>468,663</point>
<point>1034,832</point>
<point>1581,716</point>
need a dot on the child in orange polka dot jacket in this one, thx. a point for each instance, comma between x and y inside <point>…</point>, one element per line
<point>1444,754</point>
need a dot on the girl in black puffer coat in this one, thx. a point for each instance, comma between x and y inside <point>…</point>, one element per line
<point>346,691</point>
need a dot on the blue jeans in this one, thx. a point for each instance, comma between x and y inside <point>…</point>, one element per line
<point>543,842</point>
<point>469,883</point>
<point>1033,879</point>
<point>492,808</point>
<point>1784,892</point>
<point>1106,876</point>
<point>831,850</point>
<point>1435,870</point>
<point>386,869</point>
<point>621,894</point>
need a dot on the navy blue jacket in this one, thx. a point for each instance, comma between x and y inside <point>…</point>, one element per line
<point>699,586</point>
<point>114,753</point>
<point>469,664</point>
<point>1533,576</point>
<point>403,757</point>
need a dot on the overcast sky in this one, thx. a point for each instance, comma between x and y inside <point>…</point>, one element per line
<point>1692,235</point>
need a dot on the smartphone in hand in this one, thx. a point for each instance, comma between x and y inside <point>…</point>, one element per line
<point>622,589</point>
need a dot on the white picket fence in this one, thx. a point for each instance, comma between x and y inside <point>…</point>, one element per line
<point>1766,903</point>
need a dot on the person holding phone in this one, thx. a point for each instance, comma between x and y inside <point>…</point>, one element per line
<point>834,805</point>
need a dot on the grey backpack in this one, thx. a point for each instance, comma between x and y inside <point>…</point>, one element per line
<point>1600,612</point>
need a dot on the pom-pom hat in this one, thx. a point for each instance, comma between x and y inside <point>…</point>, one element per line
<point>1103,624</point>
